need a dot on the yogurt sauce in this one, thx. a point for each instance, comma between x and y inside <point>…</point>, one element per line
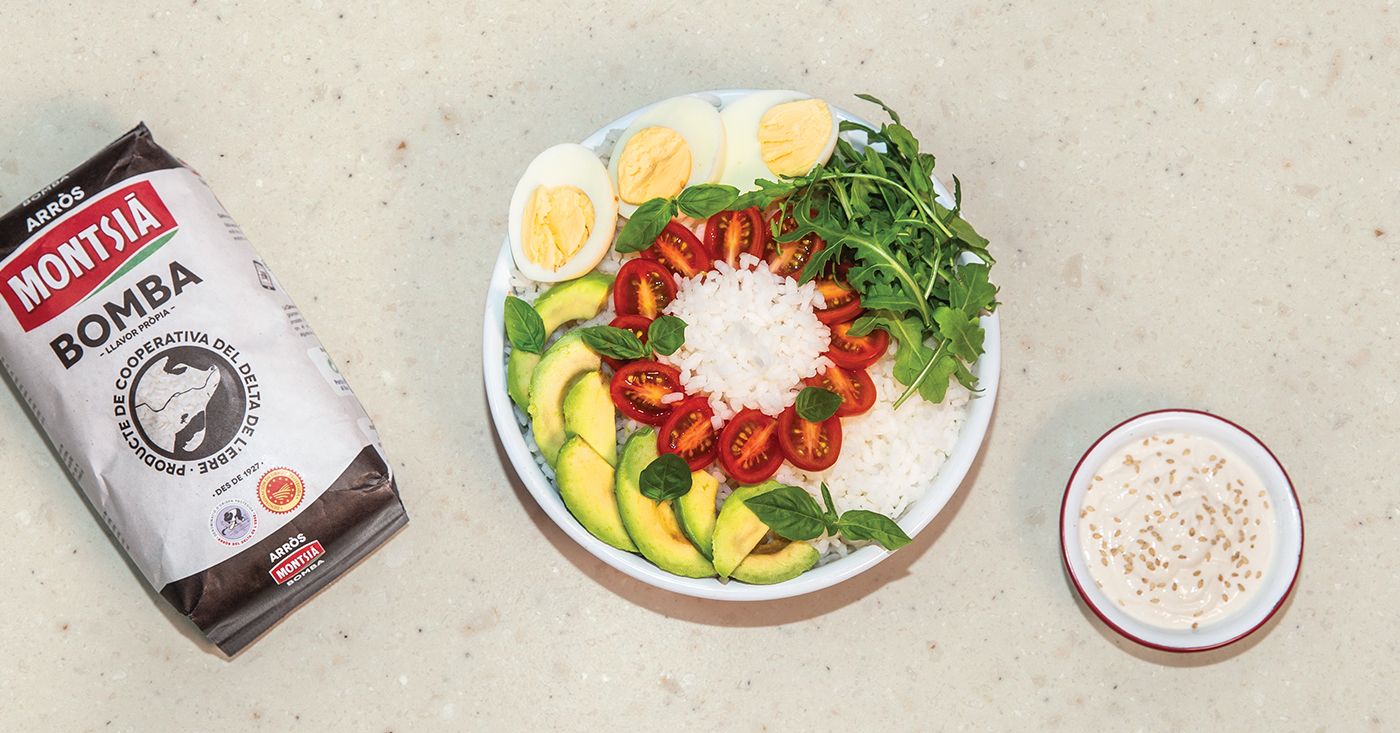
<point>1177,530</point>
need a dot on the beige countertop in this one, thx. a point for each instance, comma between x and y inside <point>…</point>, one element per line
<point>1193,205</point>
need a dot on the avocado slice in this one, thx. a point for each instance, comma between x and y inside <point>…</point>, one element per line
<point>562,365</point>
<point>737,529</point>
<point>574,300</point>
<point>775,559</point>
<point>652,525</point>
<point>589,414</point>
<point>696,511</point>
<point>586,485</point>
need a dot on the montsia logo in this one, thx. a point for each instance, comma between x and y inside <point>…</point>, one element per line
<point>83,253</point>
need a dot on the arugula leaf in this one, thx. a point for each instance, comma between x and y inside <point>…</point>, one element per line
<point>667,477</point>
<point>860,525</point>
<point>761,197</point>
<point>706,199</point>
<point>961,332</point>
<point>790,512</point>
<point>873,100</point>
<point>666,334</point>
<point>524,327</point>
<point>815,404</point>
<point>645,225</point>
<point>619,343</point>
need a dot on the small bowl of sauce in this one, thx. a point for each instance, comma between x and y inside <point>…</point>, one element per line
<point>1181,531</point>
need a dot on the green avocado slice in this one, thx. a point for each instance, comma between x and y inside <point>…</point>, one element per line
<point>589,413</point>
<point>775,560</point>
<point>738,530</point>
<point>696,511</point>
<point>562,365</point>
<point>575,300</point>
<point>652,525</point>
<point>586,485</point>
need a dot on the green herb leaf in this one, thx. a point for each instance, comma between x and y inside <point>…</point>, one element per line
<point>704,200</point>
<point>790,512</point>
<point>766,193</point>
<point>961,331</point>
<point>815,404</point>
<point>524,327</point>
<point>873,100</point>
<point>861,525</point>
<point>619,343</point>
<point>830,513</point>
<point>645,225</point>
<point>667,477</point>
<point>666,334</point>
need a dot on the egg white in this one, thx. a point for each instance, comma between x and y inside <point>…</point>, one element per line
<point>574,165</point>
<point>692,118</point>
<point>743,158</point>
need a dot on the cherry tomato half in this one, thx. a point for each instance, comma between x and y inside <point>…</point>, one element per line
<point>643,287</point>
<point>637,389</point>
<point>856,352</point>
<point>748,447</point>
<point>842,302</point>
<point>788,258</point>
<point>637,325</point>
<point>729,234</point>
<point>811,446</point>
<point>690,433</point>
<point>853,386</point>
<point>680,251</point>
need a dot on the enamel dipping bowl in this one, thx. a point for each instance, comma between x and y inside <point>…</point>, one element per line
<point>1282,572</point>
<point>503,414</point>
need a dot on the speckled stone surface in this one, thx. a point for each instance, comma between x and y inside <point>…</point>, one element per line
<point>1194,204</point>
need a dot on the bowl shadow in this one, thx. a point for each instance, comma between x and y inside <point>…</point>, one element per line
<point>747,613</point>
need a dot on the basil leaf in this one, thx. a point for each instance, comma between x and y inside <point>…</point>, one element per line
<point>666,334</point>
<point>860,525</point>
<point>666,478</point>
<point>704,200</point>
<point>830,514</point>
<point>524,327</point>
<point>619,343</point>
<point>815,404</point>
<point>790,512</point>
<point>645,225</point>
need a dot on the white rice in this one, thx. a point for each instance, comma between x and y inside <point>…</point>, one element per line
<point>751,337</point>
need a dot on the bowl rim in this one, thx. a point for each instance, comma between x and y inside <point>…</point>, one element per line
<point>940,489</point>
<point>1088,598</point>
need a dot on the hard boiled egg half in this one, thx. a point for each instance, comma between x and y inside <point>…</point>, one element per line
<point>563,214</point>
<point>672,144</point>
<point>775,133</point>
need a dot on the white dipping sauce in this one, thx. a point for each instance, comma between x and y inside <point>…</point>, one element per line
<point>1177,530</point>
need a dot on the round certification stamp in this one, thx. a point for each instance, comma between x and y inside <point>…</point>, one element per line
<point>233,523</point>
<point>281,490</point>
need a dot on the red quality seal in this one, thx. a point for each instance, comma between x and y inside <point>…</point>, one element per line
<point>281,490</point>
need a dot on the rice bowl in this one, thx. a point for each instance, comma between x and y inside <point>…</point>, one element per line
<point>906,464</point>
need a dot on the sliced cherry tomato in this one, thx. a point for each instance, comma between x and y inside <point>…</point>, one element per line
<point>729,234</point>
<point>842,302</point>
<point>637,325</point>
<point>690,433</point>
<point>856,352</point>
<point>853,386</point>
<point>788,258</point>
<point>811,446</point>
<point>748,447</point>
<point>643,287</point>
<point>680,251</point>
<point>638,388</point>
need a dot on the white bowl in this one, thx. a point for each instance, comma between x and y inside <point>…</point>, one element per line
<point>503,414</point>
<point>1283,568</point>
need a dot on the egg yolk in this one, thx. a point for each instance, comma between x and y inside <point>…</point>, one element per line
<point>793,135</point>
<point>558,220</point>
<point>655,163</point>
